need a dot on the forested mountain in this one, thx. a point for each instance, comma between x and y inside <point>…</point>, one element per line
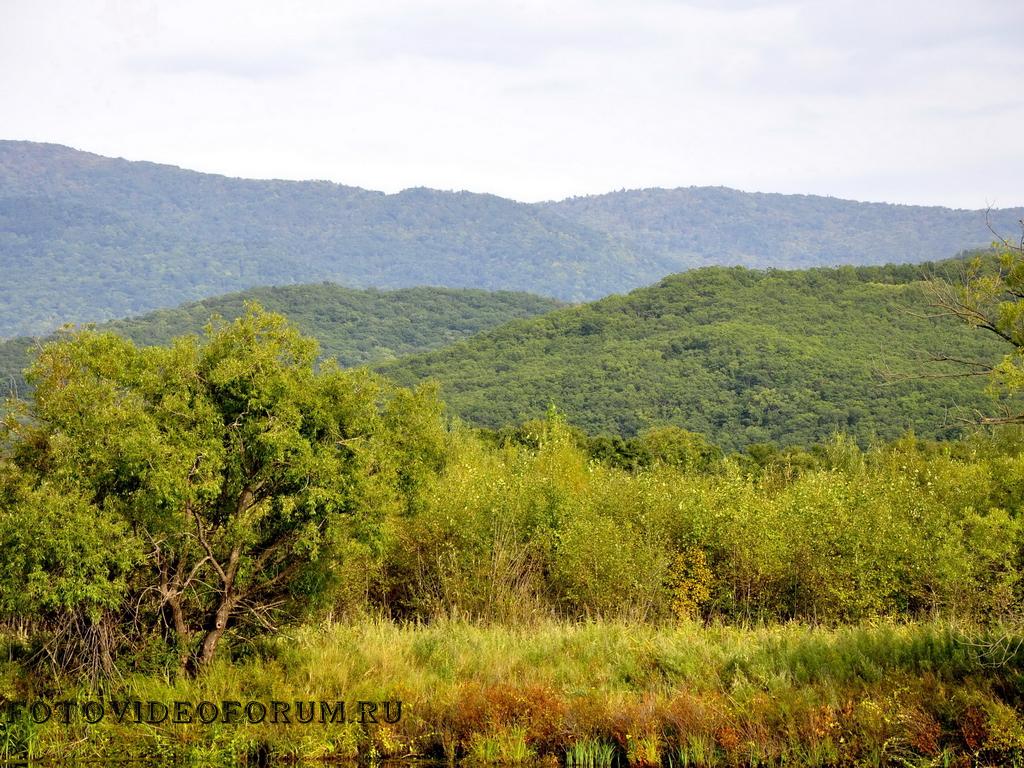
<point>739,355</point>
<point>701,226</point>
<point>84,237</point>
<point>88,238</point>
<point>353,326</point>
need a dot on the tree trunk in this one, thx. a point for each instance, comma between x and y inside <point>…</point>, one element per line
<point>219,623</point>
<point>180,627</point>
<point>181,631</point>
<point>216,632</point>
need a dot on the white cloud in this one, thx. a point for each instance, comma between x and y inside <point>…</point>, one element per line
<point>901,101</point>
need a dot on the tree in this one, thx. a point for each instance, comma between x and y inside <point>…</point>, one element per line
<point>988,293</point>
<point>221,469</point>
<point>679,447</point>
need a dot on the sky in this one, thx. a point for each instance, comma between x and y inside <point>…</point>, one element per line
<point>895,101</point>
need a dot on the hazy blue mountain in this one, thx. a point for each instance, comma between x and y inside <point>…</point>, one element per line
<point>87,238</point>
<point>699,226</point>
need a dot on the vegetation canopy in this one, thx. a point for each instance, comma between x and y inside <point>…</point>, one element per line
<point>354,327</point>
<point>740,356</point>
<point>989,294</point>
<point>192,490</point>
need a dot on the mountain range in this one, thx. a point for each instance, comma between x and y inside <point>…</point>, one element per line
<point>91,238</point>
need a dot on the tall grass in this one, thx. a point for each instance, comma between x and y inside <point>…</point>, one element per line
<point>590,753</point>
<point>593,694</point>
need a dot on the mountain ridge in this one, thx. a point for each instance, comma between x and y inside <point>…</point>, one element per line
<point>420,187</point>
<point>84,237</point>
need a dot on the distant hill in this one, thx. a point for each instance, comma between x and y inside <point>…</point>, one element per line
<point>700,226</point>
<point>89,238</point>
<point>353,326</point>
<point>741,356</point>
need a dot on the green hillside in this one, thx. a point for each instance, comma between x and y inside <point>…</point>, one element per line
<point>91,238</point>
<point>742,356</point>
<point>354,326</point>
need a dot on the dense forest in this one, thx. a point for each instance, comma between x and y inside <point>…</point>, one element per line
<point>738,355</point>
<point>89,238</point>
<point>354,327</point>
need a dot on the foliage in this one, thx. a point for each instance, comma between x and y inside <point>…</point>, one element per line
<point>826,605</point>
<point>689,585</point>
<point>86,238</point>
<point>262,466</point>
<point>190,490</point>
<point>904,529</point>
<point>739,356</point>
<point>89,238</point>
<point>691,227</point>
<point>218,478</point>
<point>989,294</point>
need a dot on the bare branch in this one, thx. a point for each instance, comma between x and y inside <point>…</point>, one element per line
<point>206,544</point>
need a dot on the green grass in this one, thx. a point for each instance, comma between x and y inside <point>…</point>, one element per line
<point>590,753</point>
<point>592,695</point>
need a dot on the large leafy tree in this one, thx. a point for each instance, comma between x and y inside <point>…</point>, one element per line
<point>988,293</point>
<point>192,489</point>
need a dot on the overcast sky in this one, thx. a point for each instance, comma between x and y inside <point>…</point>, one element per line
<point>909,102</point>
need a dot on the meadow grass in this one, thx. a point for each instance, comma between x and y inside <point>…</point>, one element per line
<point>591,695</point>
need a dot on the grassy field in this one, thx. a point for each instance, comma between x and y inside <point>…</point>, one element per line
<point>585,695</point>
